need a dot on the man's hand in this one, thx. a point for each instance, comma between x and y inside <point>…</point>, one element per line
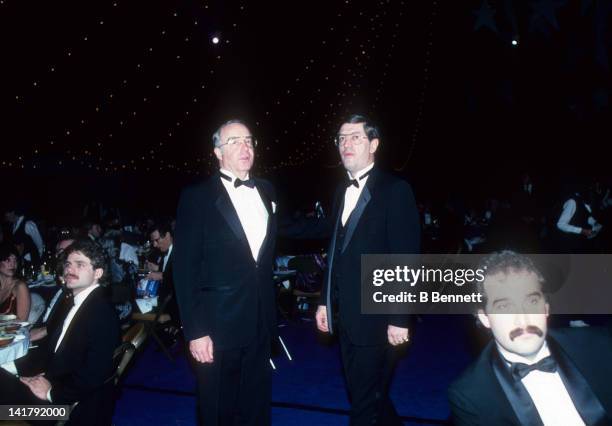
<point>586,232</point>
<point>152,267</point>
<point>38,385</point>
<point>202,349</point>
<point>155,276</point>
<point>397,335</point>
<point>38,333</point>
<point>321,317</point>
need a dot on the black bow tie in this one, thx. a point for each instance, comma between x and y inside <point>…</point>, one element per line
<point>250,183</point>
<point>355,182</point>
<point>520,370</point>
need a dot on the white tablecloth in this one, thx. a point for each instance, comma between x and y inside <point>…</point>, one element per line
<point>17,349</point>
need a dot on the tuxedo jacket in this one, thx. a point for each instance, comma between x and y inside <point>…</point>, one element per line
<point>222,291</point>
<point>37,358</point>
<point>83,361</point>
<point>478,398</point>
<point>384,221</point>
<point>167,284</point>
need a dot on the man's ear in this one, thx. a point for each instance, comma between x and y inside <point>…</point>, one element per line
<point>373,145</point>
<point>484,318</point>
<point>218,153</point>
<point>98,273</point>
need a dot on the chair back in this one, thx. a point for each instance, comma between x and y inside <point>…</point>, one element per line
<point>121,358</point>
<point>136,335</point>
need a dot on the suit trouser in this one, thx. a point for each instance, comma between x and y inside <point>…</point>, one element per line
<point>236,388</point>
<point>368,371</point>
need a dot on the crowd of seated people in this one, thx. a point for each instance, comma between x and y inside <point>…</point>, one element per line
<point>568,218</point>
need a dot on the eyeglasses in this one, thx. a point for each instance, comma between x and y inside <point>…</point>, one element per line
<point>248,141</point>
<point>355,139</point>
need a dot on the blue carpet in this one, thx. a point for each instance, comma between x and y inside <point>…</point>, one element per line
<point>310,389</point>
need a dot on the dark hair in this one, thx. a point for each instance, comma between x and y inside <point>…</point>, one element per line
<point>89,223</point>
<point>17,208</point>
<point>6,250</point>
<point>370,129</point>
<point>163,227</point>
<point>505,261</point>
<point>90,249</point>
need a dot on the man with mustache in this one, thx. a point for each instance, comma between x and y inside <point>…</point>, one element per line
<point>530,375</point>
<point>223,261</point>
<point>79,350</point>
<point>374,212</point>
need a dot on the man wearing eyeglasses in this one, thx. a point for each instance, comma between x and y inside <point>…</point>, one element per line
<point>223,258</point>
<point>374,212</point>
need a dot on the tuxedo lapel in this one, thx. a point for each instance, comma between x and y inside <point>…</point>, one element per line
<point>355,215</point>
<point>268,204</point>
<point>362,202</point>
<point>226,209</point>
<point>265,198</point>
<point>76,320</point>
<point>522,405</point>
<point>586,402</point>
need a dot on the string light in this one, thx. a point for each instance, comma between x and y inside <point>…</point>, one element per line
<point>126,105</point>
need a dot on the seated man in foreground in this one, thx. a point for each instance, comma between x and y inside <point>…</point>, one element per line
<point>80,352</point>
<point>530,375</point>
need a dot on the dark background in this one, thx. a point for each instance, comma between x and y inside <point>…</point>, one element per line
<point>116,101</point>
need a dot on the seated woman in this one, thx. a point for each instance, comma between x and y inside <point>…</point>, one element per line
<point>14,293</point>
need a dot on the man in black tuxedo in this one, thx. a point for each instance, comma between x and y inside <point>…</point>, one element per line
<point>161,236</point>
<point>53,318</point>
<point>80,351</point>
<point>373,212</point>
<point>530,375</point>
<point>223,262</point>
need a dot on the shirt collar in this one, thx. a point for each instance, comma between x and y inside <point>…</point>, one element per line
<point>231,175</point>
<point>168,252</point>
<point>512,357</point>
<point>80,298</point>
<point>361,172</point>
<point>18,223</point>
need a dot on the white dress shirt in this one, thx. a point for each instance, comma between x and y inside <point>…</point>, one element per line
<point>166,257</point>
<point>569,209</point>
<point>31,229</point>
<point>251,212</point>
<point>78,301</point>
<point>352,194</point>
<point>547,392</point>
